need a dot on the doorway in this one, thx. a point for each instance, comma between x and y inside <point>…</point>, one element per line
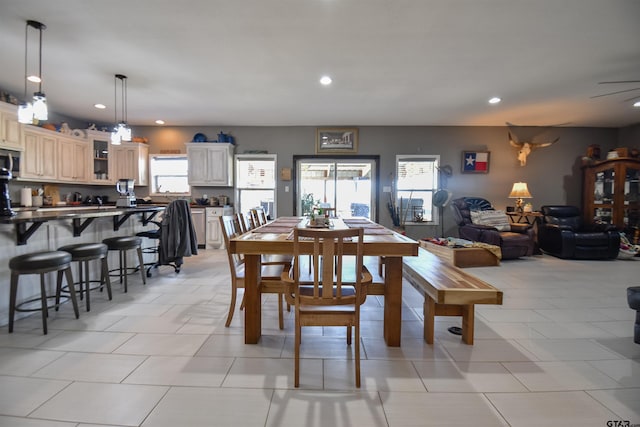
<point>350,184</point>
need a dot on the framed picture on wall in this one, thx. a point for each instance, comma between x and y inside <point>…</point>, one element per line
<point>475,161</point>
<point>336,140</point>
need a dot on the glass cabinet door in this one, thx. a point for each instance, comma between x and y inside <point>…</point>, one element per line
<point>632,198</point>
<point>100,160</point>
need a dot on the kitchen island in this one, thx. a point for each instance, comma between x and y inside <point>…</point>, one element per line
<point>46,229</point>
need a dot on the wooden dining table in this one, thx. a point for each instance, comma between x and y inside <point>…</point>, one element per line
<point>276,238</point>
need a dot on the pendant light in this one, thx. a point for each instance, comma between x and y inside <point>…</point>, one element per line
<point>121,131</point>
<point>32,112</point>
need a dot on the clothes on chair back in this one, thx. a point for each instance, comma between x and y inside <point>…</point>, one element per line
<point>177,234</point>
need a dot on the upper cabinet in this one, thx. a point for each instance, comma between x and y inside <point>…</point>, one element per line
<point>39,161</point>
<point>98,158</point>
<point>129,160</point>
<point>210,164</point>
<point>10,130</point>
<point>72,159</point>
<point>611,193</point>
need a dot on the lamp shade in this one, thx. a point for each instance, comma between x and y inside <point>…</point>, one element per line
<point>520,191</point>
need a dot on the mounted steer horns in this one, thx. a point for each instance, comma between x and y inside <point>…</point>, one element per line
<point>525,148</point>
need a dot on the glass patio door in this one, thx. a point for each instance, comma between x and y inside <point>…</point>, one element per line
<point>346,184</point>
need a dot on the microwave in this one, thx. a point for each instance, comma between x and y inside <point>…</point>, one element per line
<point>10,160</point>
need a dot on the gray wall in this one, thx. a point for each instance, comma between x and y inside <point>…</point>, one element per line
<point>553,173</point>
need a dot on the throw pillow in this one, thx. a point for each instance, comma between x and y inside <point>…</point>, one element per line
<point>497,219</point>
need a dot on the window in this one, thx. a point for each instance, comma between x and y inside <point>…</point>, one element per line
<point>169,175</point>
<point>256,182</point>
<point>417,181</point>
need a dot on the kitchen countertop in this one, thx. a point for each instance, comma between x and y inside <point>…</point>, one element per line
<point>81,216</point>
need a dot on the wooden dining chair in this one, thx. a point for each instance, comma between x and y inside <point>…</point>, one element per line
<point>240,223</point>
<point>259,217</point>
<point>271,274</point>
<point>333,293</point>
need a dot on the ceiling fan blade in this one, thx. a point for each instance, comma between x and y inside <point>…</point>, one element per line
<point>619,81</point>
<point>615,93</point>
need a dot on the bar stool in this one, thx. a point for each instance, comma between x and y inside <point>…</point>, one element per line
<point>83,253</point>
<point>122,245</point>
<point>41,263</point>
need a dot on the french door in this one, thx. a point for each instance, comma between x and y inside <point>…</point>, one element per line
<point>348,184</point>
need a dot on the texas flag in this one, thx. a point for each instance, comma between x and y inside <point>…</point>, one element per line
<point>476,162</point>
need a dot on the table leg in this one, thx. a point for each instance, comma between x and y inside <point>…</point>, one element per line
<point>392,300</point>
<point>252,306</point>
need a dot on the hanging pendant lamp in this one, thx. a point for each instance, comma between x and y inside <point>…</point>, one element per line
<point>121,131</point>
<point>32,112</point>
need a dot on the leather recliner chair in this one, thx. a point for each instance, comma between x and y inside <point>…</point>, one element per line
<point>563,234</point>
<point>519,241</point>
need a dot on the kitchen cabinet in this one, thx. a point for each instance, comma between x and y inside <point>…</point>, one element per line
<point>130,161</point>
<point>611,193</point>
<point>214,233</point>
<point>39,159</point>
<point>99,156</point>
<point>72,160</point>
<point>10,128</point>
<point>210,164</point>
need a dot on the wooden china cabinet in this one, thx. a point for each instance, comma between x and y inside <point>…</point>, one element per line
<point>611,193</point>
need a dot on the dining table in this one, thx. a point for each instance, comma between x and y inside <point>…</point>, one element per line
<point>276,237</point>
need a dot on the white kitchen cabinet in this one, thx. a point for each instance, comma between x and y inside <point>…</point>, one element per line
<point>214,233</point>
<point>72,160</point>
<point>10,128</point>
<point>40,155</point>
<point>210,164</point>
<point>99,157</point>
<point>130,161</point>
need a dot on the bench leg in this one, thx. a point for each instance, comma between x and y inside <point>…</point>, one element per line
<point>467,323</point>
<point>429,318</point>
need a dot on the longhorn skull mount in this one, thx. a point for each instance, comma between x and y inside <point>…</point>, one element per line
<point>525,148</point>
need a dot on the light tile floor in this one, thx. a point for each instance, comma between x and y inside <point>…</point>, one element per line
<point>559,351</point>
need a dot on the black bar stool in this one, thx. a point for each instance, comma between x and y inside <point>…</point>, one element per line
<point>83,253</point>
<point>41,263</point>
<point>122,245</point>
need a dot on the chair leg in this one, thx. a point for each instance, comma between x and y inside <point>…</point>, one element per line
<point>43,299</point>
<point>232,305</point>
<point>58,290</point>
<point>141,261</point>
<point>87,284</point>
<point>357,328</point>
<point>280,313</point>
<point>72,290</point>
<point>12,298</point>
<point>296,381</point>
<point>348,335</point>
<point>105,277</point>
<point>123,270</point>
<point>242,302</point>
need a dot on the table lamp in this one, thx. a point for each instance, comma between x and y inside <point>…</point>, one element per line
<point>519,192</point>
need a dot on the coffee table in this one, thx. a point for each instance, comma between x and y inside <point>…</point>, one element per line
<point>462,257</point>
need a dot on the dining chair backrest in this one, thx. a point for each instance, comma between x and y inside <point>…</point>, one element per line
<point>241,226</point>
<point>229,231</point>
<point>333,281</point>
<point>259,217</point>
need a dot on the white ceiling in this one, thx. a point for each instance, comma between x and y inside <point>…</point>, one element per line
<point>393,62</point>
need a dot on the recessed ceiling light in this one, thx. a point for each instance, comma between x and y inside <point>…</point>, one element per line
<point>637,104</point>
<point>325,80</point>
<point>34,79</point>
<point>495,100</point>
<point>100,106</point>
<point>159,122</point>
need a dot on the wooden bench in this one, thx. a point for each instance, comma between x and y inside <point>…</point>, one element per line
<point>448,291</point>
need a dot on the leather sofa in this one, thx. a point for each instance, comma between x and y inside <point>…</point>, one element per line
<point>563,233</point>
<point>516,242</point>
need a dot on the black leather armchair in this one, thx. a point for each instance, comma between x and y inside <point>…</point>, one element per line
<point>517,242</point>
<point>563,234</point>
